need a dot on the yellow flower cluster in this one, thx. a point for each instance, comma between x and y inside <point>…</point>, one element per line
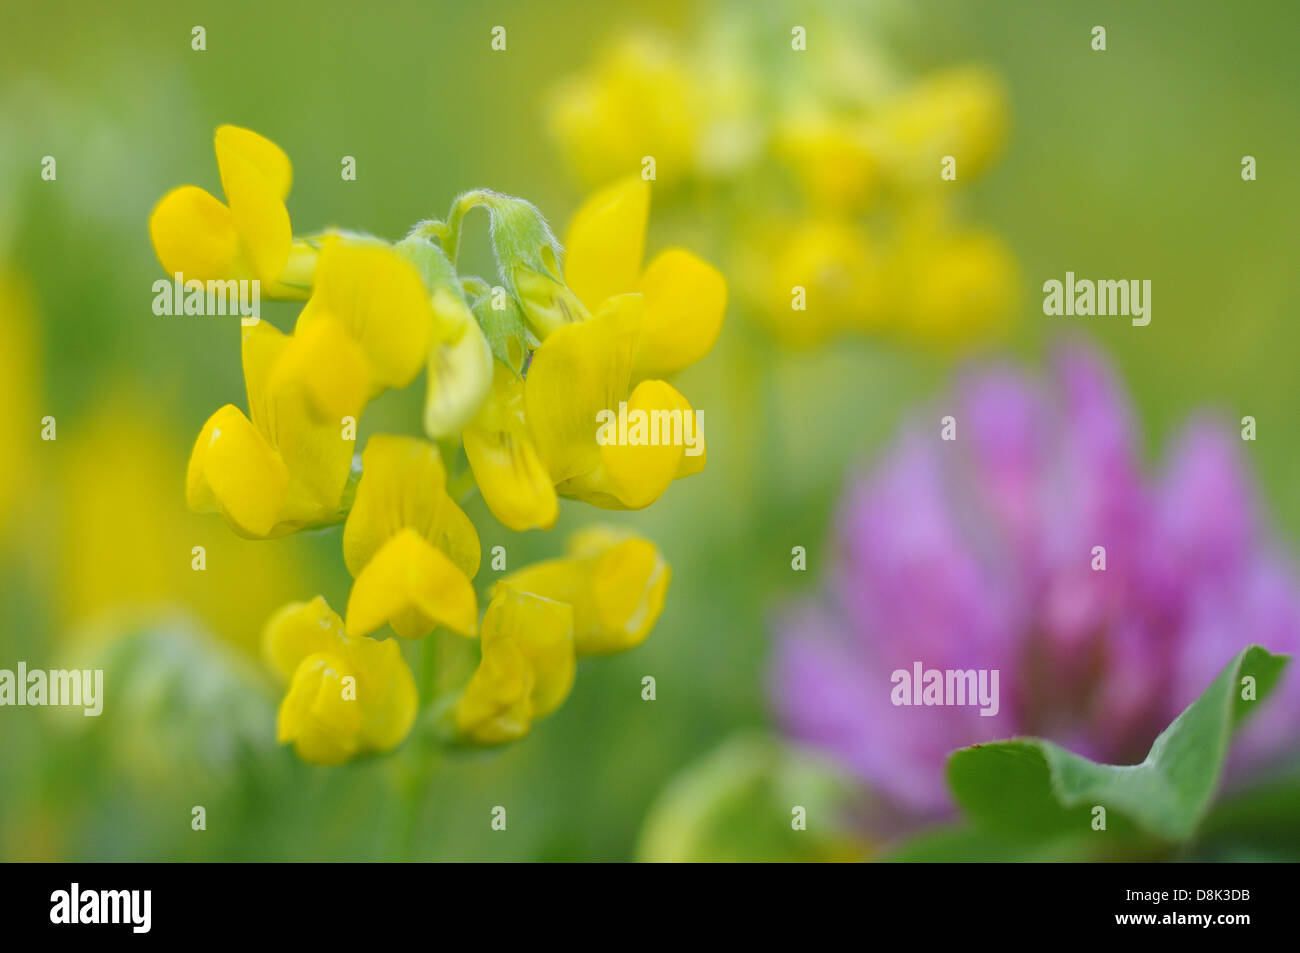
<point>534,438</point>
<point>520,373</point>
<point>837,172</point>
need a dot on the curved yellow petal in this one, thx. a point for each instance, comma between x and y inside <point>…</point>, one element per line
<point>386,691</point>
<point>629,583</point>
<point>345,695</point>
<point>685,298</point>
<point>194,235</point>
<point>233,470</point>
<point>318,453</point>
<point>577,372</point>
<point>543,630</point>
<point>297,630</point>
<point>495,707</point>
<point>526,671</point>
<point>327,368</point>
<point>263,155</point>
<point>404,486</point>
<point>507,468</point>
<point>460,368</point>
<point>323,724</point>
<point>414,587</point>
<point>256,175</point>
<point>606,241</point>
<point>615,582</point>
<point>641,469</point>
<point>381,301</point>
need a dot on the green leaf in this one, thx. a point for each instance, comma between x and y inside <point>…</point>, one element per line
<point>1034,789</point>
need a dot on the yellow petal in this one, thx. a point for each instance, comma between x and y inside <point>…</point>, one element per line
<point>510,474</point>
<point>260,153</point>
<point>496,707</point>
<point>629,583</point>
<point>460,368</point>
<point>685,298</point>
<point>298,276</point>
<point>315,715</point>
<point>233,470</point>
<point>404,486</point>
<point>543,630</point>
<point>381,301</point>
<point>577,372</point>
<point>346,695</point>
<point>607,240</point>
<point>641,469</point>
<point>615,582</point>
<point>328,370</point>
<point>385,690</point>
<point>194,235</point>
<point>256,175</point>
<point>414,587</point>
<point>300,629</point>
<point>318,453</point>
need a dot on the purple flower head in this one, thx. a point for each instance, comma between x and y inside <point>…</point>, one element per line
<point>986,553</point>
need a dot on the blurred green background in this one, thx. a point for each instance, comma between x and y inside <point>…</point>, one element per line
<point>1124,163</point>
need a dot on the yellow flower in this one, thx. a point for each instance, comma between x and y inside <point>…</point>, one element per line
<point>685,296</point>
<point>638,101</point>
<point>511,477</point>
<point>346,696</point>
<point>834,158</point>
<point>956,286</point>
<point>616,583</point>
<point>959,112</point>
<point>526,670</point>
<point>371,306</point>
<point>278,471</point>
<point>198,236</point>
<point>646,325</point>
<point>122,524</point>
<point>808,281</point>
<point>411,549</point>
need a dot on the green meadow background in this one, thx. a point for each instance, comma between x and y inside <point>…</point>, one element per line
<point>1120,164</point>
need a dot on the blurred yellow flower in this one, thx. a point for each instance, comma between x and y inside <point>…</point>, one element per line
<point>526,670</point>
<point>639,100</point>
<point>411,549</point>
<point>346,696</point>
<point>127,542</point>
<point>281,470</point>
<point>196,235</point>
<point>959,112</point>
<point>828,158</point>
<point>615,581</point>
<point>20,384</point>
<point>809,280</point>
<point>833,158</point>
<point>957,286</point>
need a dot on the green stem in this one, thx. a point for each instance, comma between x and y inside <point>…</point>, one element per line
<point>456,217</point>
